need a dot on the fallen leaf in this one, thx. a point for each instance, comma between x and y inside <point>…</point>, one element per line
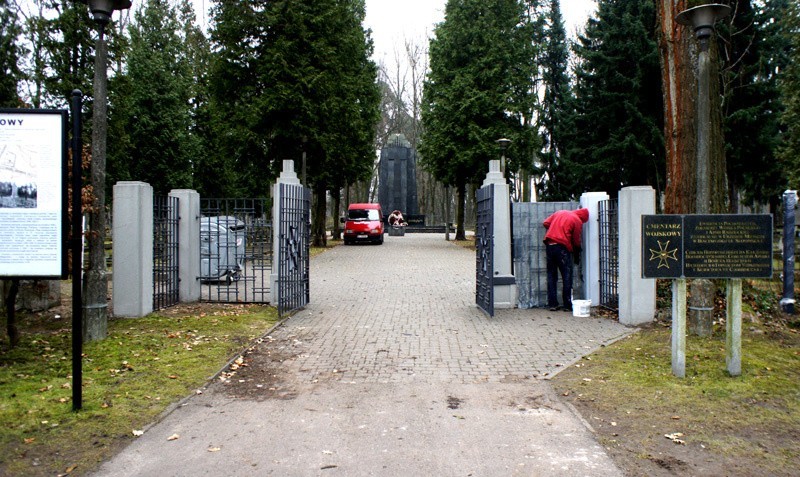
<point>172,376</point>
<point>29,440</point>
<point>173,437</point>
<point>214,449</point>
<point>675,418</point>
<point>71,468</point>
<point>137,433</point>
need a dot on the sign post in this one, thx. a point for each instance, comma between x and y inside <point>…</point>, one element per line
<point>707,246</point>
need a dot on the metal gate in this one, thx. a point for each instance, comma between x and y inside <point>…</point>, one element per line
<point>530,256</point>
<point>484,250</point>
<point>609,254</point>
<point>235,250</point>
<point>165,251</point>
<point>294,234</point>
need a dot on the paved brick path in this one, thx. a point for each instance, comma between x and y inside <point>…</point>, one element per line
<point>405,311</point>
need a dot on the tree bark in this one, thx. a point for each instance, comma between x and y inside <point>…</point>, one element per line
<point>10,290</point>
<point>318,234</point>
<point>460,211</point>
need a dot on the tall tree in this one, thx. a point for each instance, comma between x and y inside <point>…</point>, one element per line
<point>789,151</point>
<point>10,53</point>
<point>755,51</point>
<point>557,100</point>
<point>615,137</point>
<point>286,71</point>
<point>154,103</point>
<point>469,97</point>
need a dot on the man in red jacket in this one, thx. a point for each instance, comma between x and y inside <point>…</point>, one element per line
<point>563,238</point>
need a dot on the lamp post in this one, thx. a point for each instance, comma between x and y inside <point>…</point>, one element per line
<point>503,143</point>
<point>96,284</point>
<point>702,18</point>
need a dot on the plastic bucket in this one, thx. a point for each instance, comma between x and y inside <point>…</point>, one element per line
<point>581,308</point>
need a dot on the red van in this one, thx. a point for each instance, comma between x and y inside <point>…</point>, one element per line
<point>364,223</point>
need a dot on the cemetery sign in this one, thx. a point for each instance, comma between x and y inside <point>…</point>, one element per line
<point>707,246</point>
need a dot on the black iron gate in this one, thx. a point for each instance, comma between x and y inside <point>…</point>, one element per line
<point>484,255</point>
<point>165,251</point>
<point>235,250</point>
<point>294,234</point>
<point>609,254</point>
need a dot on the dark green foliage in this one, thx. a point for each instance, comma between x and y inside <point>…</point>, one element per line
<point>153,141</point>
<point>286,70</point>
<point>756,53</point>
<point>615,138</point>
<point>10,53</point>
<point>790,88</point>
<point>479,89</point>
<point>556,108</point>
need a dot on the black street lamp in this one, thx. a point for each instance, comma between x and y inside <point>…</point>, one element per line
<point>503,143</point>
<point>96,282</point>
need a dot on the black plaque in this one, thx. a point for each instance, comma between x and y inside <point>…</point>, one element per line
<point>728,246</point>
<point>707,246</point>
<point>662,238</point>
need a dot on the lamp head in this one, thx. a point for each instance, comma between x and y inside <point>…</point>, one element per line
<point>703,17</point>
<point>503,143</point>
<point>102,9</point>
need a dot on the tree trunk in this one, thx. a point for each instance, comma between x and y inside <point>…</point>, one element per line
<point>679,87</point>
<point>337,206</point>
<point>318,234</point>
<point>10,289</point>
<point>460,211</point>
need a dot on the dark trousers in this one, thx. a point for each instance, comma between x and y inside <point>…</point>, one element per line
<point>559,259</point>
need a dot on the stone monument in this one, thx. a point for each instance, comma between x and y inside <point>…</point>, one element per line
<point>398,178</point>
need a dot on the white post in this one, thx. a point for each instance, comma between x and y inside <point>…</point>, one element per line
<point>505,288</point>
<point>133,249</point>
<point>637,295</point>
<point>590,257</point>
<point>189,244</point>
<point>288,176</point>
<point>733,325</point>
<point>679,327</point>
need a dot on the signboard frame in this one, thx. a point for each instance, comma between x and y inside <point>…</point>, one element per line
<point>714,246</point>
<point>40,138</point>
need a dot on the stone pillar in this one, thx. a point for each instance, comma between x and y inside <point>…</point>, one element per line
<point>189,244</point>
<point>505,288</point>
<point>590,258</point>
<point>133,249</point>
<point>637,295</point>
<point>288,176</point>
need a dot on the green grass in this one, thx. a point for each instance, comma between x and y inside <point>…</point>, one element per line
<point>130,378</point>
<point>754,417</point>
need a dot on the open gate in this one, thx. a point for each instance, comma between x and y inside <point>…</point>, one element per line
<point>484,251</point>
<point>235,250</point>
<point>294,235</point>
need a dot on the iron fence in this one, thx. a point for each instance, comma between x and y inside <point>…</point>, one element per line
<point>165,252</point>
<point>609,254</point>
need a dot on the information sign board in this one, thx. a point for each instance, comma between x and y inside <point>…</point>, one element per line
<point>707,246</point>
<point>33,178</point>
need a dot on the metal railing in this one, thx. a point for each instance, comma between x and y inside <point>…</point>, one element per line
<point>609,254</point>
<point>165,251</point>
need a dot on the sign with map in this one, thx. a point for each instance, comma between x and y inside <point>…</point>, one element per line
<point>33,213</point>
<point>707,246</point>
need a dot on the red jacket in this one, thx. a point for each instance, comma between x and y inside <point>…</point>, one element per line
<point>565,226</point>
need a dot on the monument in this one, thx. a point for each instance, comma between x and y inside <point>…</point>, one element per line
<point>398,179</point>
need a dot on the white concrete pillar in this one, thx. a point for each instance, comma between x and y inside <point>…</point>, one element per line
<point>505,288</point>
<point>133,249</point>
<point>590,257</point>
<point>637,295</point>
<point>288,176</point>
<point>189,244</point>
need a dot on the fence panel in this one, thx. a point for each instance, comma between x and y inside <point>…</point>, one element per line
<point>609,254</point>
<point>165,252</point>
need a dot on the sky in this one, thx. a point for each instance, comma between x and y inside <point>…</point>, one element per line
<point>393,21</point>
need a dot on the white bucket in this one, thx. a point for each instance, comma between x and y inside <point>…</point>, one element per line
<point>581,308</point>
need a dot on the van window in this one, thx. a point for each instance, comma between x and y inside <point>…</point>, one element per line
<point>363,214</point>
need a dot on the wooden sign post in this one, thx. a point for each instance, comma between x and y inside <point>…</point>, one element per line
<point>707,246</point>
